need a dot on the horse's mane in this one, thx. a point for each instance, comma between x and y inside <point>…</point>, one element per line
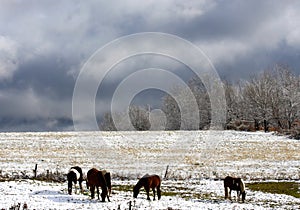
<point>103,171</point>
<point>146,175</point>
<point>242,185</point>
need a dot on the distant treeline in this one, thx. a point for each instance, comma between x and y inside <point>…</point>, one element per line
<point>267,101</point>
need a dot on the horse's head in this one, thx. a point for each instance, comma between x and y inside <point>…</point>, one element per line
<point>70,179</point>
<point>136,191</point>
<point>104,194</point>
<point>70,187</point>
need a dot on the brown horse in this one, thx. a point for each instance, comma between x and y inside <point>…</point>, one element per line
<point>234,184</point>
<point>95,179</point>
<point>74,175</point>
<point>148,181</point>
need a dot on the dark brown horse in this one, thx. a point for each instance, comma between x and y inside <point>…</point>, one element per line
<point>74,175</point>
<point>234,184</point>
<point>148,182</point>
<point>96,179</point>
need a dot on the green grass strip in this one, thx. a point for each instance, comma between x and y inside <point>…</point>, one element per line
<point>288,188</point>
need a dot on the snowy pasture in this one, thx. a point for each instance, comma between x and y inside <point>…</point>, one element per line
<point>191,164</point>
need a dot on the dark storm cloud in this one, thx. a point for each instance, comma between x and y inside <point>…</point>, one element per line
<point>47,76</point>
<point>43,46</point>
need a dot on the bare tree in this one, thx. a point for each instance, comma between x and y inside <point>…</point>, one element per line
<point>107,123</point>
<point>139,117</point>
<point>289,85</point>
<point>269,98</point>
<point>202,97</point>
<point>172,112</point>
<point>231,94</point>
<point>259,94</point>
<point>273,97</point>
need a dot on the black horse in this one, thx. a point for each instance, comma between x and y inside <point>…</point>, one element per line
<point>74,175</point>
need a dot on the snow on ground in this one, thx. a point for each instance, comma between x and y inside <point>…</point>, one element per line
<point>195,159</point>
<point>200,154</point>
<point>43,195</point>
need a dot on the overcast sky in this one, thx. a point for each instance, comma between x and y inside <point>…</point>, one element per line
<point>44,44</point>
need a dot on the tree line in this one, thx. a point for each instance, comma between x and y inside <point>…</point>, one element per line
<point>269,100</point>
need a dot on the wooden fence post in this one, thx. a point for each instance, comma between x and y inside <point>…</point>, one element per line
<point>129,205</point>
<point>35,170</point>
<point>166,173</point>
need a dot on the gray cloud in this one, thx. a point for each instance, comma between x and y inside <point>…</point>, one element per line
<point>43,46</point>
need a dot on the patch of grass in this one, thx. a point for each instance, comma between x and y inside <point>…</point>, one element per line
<point>124,188</point>
<point>169,193</point>
<point>86,192</point>
<point>288,188</point>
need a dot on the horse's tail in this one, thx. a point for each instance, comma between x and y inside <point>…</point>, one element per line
<point>108,182</point>
<point>243,192</point>
<point>158,188</point>
<point>242,186</point>
<point>226,192</point>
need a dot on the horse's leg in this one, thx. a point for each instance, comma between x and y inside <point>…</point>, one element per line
<point>104,194</point>
<point>92,188</point>
<point>158,193</point>
<point>226,192</point>
<point>229,194</point>
<point>80,186</point>
<point>98,192</point>
<point>87,184</point>
<point>238,195</point>
<point>107,195</point>
<point>147,191</point>
<point>75,187</point>
<point>153,189</point>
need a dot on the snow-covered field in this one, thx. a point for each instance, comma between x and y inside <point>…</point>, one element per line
<point>196,160</point>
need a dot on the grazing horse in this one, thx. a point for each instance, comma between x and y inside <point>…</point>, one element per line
<point>96,179</point>
<point>74,175</point>
<point>234,184</point>
<point>148,181</point>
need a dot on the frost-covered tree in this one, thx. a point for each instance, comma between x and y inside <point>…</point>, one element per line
<point>272,97</point>
<point>234,102</point>
<point>289,85</point>
<point>269,98</point>
<point>138,117</point>
<point>259,94</point>
<point>202,97</point>
<point>192,102</point>
<point>107,123</point>
<point>172,112</point>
